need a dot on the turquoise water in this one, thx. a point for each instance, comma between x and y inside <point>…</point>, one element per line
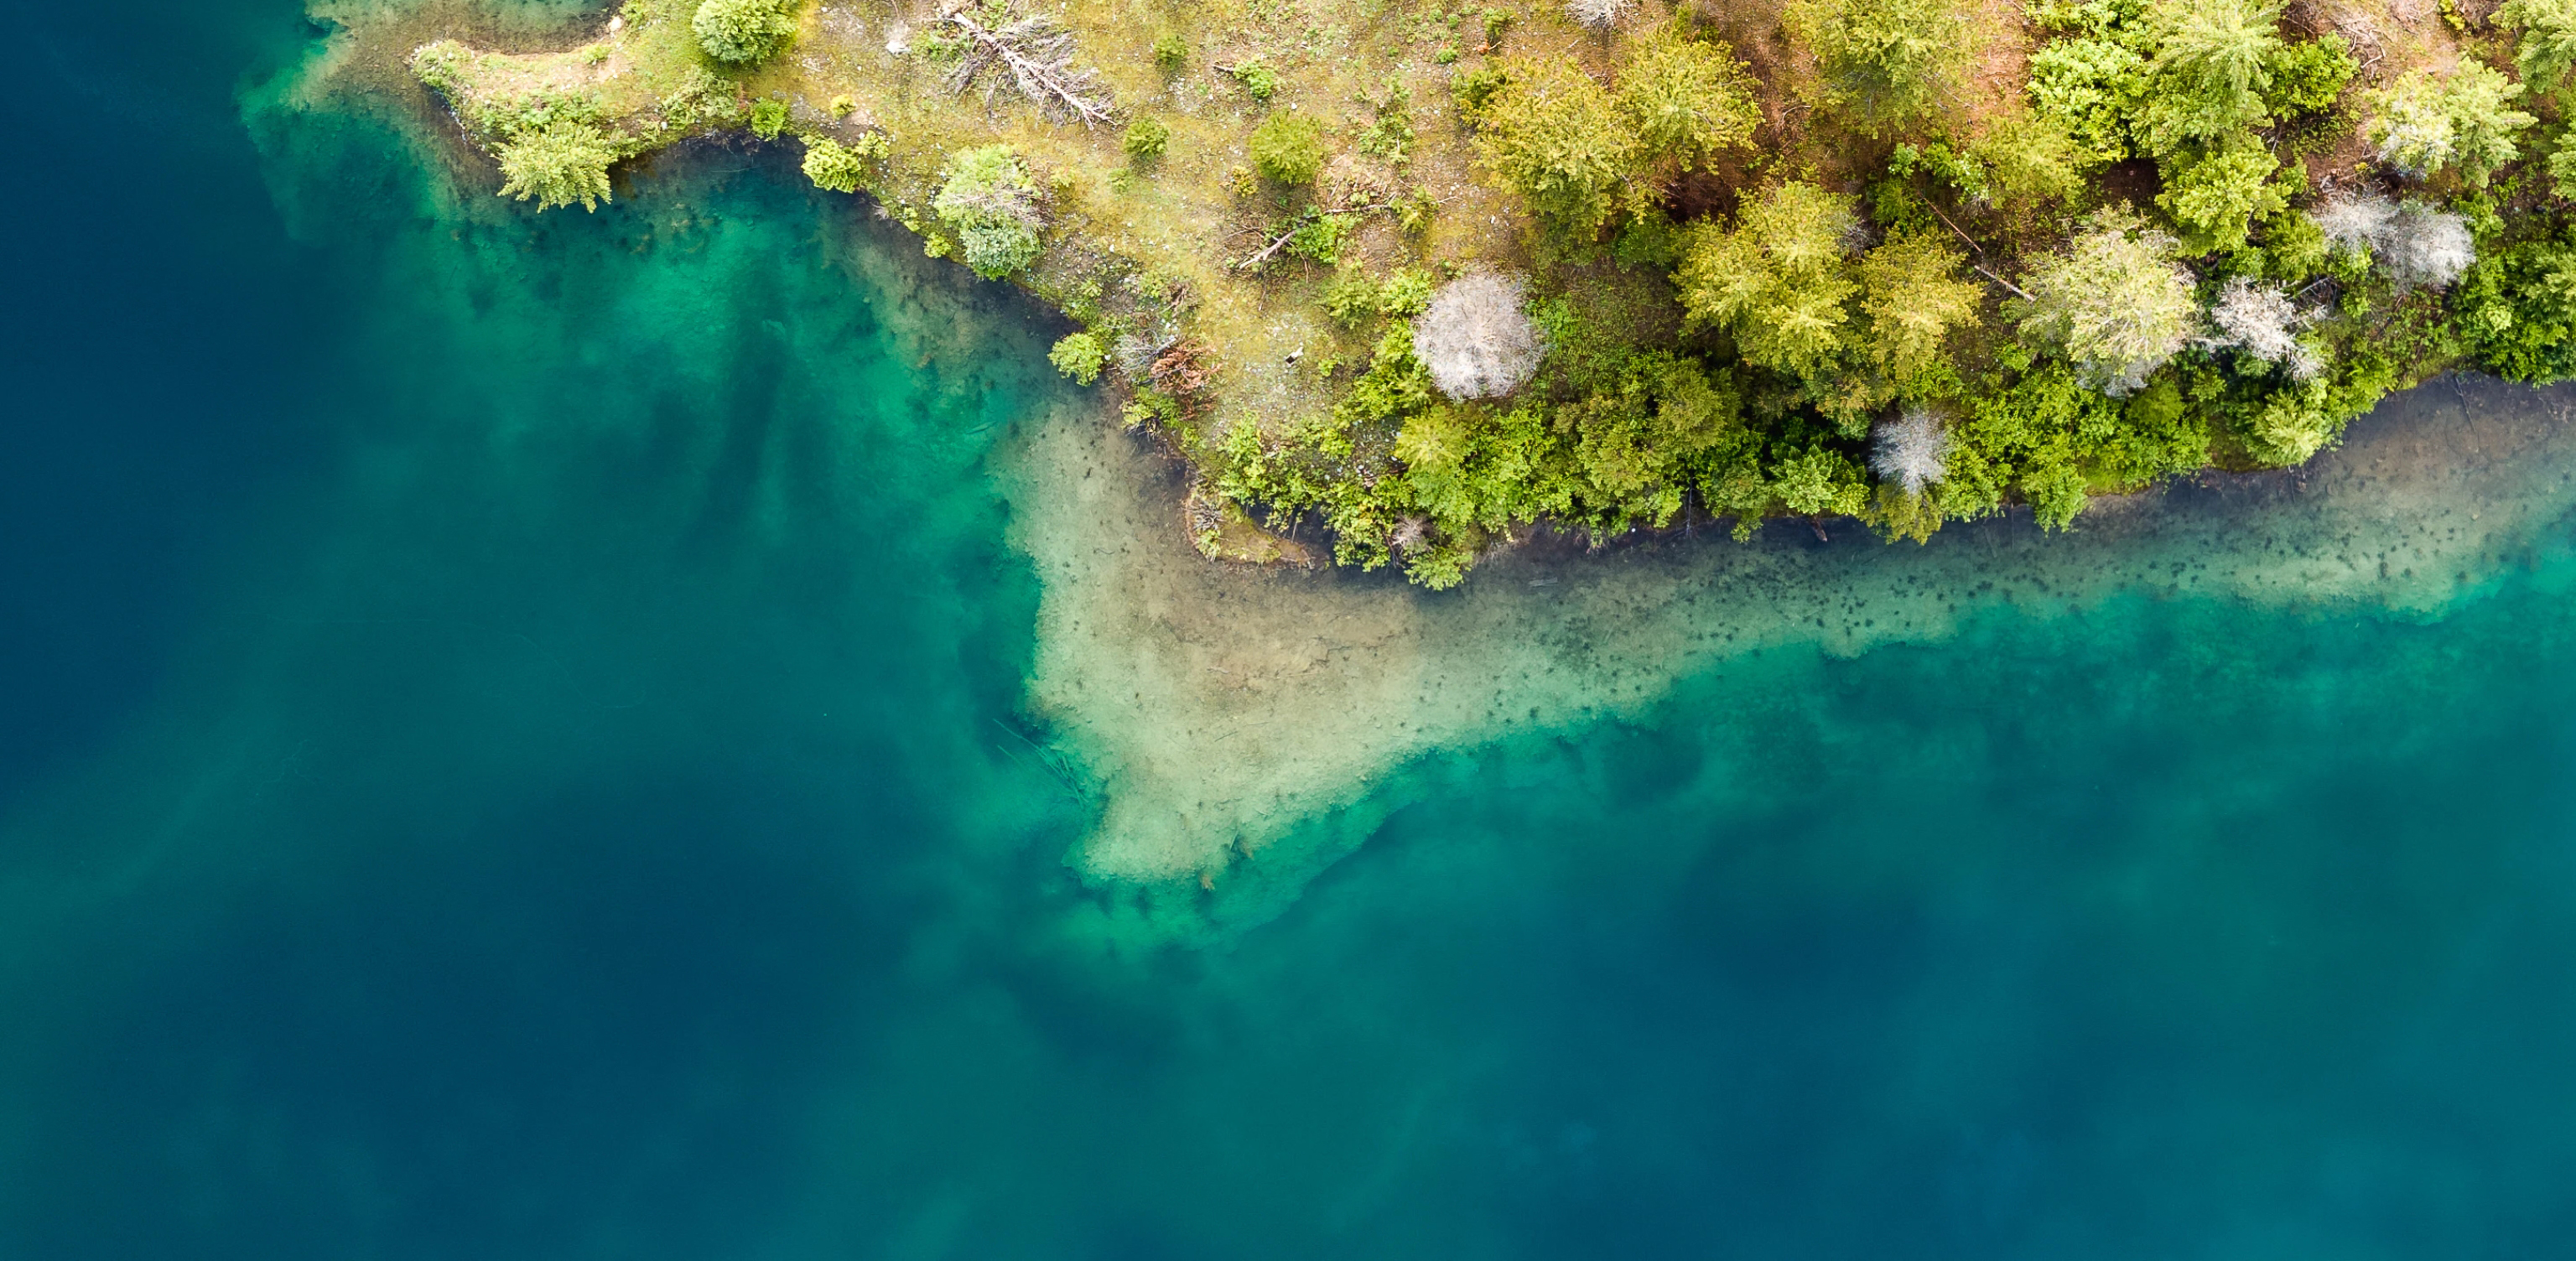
<point>510,747</point>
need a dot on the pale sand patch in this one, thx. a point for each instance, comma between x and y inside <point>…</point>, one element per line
<point>1224,709</point>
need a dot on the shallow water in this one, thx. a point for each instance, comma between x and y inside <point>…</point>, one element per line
<point>516,745</point>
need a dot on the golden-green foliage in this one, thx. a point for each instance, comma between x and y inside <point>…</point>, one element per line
<point>1778,280</point>
<point>562,165</point>
<point>1914,299</point>
<point>2217,198</point>
<point>1146,138</point>
<point>1687,99</point>
<point>842,168</point>
<point>1288,149</point>
<point>1557,136</point>
<point>1885,62</point>
<point>740,32</point>
<point>2029,158</point>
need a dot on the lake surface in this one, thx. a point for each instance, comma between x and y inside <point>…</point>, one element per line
<point>513,745</point>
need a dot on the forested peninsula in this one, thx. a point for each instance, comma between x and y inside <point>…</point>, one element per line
<point>1402,281</point>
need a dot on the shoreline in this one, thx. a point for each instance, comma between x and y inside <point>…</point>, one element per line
<point>1240,720</point>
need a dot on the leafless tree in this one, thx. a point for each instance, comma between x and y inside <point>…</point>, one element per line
<point>1912,450</point>
<point>2259,320</point>
<point>2415,244</point>
<point>1036,52</point>
<point>1476,340</point>
<point>1598,14</point>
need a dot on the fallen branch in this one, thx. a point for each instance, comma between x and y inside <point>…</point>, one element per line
<point>1038,51</point>
<point>2017,289</point>
<point>1282,240</point>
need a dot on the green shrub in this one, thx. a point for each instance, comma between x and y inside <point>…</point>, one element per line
<point>1257,78</point>
<point>739,32</point>
<point>1170,52</point>
<point>769,119</point>
<point>1146,138</point>
<point>1288,149</point>
<point>2308,76</point>
<point>1778,280</point>
<point>2546,50</point>
<point>559,166</point>
<point>841,168</point>
<point>989,201</point>
<point>1079,356</point>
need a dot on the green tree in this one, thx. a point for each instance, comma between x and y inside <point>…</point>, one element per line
<point>2546,50</point>
<point>740,32</point>
<point>561,165</point>
<point>2309,75</point>
<point>2114,302</point>
<point>2212,64</point>
<point>2029,158</point>
<point>2422,125</point>
<point>991,204</point>
<point>1558,137</point>
<point>2217,198</point>
<point>1887,62</point>
<point>1914,299</point>
<point>1288,149</point>
<point>1778,280</point>
<point>1686,99</point>
<point>1079,356</point>
<point>1821,481</point>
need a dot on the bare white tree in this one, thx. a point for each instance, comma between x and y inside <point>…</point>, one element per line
<point>1475,338</point>
<point>2354,222</point>
<point>2415,244</point>
<point>2427,247</point>
<point>2260,321</point>
<point>1598,14</point>
<point>1912,450</point>
<point>1037,51</point>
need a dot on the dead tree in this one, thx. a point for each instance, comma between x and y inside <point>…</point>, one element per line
<point>1037,53</point>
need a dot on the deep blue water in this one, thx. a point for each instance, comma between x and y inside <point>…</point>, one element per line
<point>509,748</point>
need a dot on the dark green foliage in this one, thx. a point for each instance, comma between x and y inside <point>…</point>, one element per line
<point>1288,149</point>
<point>2517,309</point>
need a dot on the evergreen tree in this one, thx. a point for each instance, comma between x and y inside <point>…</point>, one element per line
<point>740,32</point>
<point>2546,50</point>
<point>2211,66</point>
<point>1778,280</point>
<point>1558,137</point>
<point>1686,99</point>
<point>1887,62</point>
<point>1914,299</point>
<point>2423,125</point>
<point>562,165</point>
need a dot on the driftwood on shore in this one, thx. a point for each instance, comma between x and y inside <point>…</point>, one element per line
<point>1037,51</point>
